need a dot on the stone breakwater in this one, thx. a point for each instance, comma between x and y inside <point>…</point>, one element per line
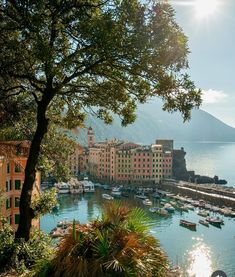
<point>214,194</point>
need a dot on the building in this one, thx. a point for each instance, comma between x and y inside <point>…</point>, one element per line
<point>76,161</point>
<point>13,158</point>
<point>128,162</point>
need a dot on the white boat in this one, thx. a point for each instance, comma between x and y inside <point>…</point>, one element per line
<point>62,187</point>
<point>88,186</point>
<point>107,196</point>
<point>190,207</point>
<point>116,191</point>
<point>147,202</point>
<point>168,207</point>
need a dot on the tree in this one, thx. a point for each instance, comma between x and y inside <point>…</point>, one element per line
<point>67,57</point>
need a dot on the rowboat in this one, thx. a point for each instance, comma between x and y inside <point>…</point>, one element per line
<point>188,224</point>
<point>204,222</point>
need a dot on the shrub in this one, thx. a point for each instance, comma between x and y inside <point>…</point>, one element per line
<point>117,244</point>
<point>19,255</point>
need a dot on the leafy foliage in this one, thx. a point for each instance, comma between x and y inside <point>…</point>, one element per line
<point>117,244</point>
<point>20,255</point>
<point>45,202</point>
<point>67,57</point>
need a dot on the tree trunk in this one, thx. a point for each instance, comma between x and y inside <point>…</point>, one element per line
<point>26,212</point>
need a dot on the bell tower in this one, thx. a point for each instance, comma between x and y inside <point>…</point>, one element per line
<point>90,137</point>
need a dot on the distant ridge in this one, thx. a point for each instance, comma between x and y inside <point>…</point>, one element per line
<point>152,123</point>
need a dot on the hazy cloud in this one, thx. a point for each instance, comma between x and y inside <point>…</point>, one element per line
<point>213,96</point>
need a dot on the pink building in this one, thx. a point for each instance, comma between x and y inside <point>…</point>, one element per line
<point>127,162</point>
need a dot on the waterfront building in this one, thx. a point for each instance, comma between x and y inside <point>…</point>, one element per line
<point>13,158</point>
<point>128,162</point>
<point>77,160</point>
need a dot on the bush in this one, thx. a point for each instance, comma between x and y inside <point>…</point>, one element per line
<point>20,255</point>
<point>117,244</point>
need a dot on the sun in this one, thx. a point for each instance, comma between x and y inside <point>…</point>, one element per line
<point>206,8</point>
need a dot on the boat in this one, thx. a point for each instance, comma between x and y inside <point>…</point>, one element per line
<point>153,209</point>
<point>169,208</point>
<point>147,202</point>
<point>190,207</point>
<point>203,213</point>
<point>116,191</point>
<point>184,208</point>
<point>88,186</point>
<point>141,196</point>
<point>204,222</point>
<point>107,196</point>
<point>188,224</point>
<point>162,212</point>
<point>62,187</point>
<point>216,221</point>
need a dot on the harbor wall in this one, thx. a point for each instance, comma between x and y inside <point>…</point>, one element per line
<point>196,195</point>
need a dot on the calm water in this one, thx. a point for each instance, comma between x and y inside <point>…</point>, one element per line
<point>211,158</point>
<point>198,253</point>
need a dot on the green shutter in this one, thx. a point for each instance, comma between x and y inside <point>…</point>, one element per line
<point>17,218</point>
<point>17,184</point>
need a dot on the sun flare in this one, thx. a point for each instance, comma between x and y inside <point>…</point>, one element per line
<point>206,8</point>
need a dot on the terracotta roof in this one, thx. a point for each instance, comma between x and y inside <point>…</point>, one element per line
<point>14,148</point>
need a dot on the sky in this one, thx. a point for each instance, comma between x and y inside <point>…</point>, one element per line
<point>210,28</point>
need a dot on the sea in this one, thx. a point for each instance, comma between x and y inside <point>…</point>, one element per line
<point>199,253</point>
<point>210,159</point>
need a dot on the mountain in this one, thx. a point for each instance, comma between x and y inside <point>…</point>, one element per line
<point>152,122</point>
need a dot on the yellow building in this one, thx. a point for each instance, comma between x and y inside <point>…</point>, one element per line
<point>13,158</point>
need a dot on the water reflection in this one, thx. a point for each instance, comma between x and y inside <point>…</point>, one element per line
<point>200,261</point>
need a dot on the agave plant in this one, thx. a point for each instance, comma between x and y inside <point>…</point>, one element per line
<point>117,244</point>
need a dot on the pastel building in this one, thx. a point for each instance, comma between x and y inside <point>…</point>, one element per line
<point>13,158</point>
<point>128,162</point>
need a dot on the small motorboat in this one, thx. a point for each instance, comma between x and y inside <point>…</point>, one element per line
<point>123,194</point>
<point>190,207</point>
<point>169,208</point>
<point>216,221</point>
<point>204,222</point>
<point>116,191</point>
<point>203,213</point>
<point>188,224</point>
<point>162,212</point>
<point>147,202</point>
<point>107,196</point>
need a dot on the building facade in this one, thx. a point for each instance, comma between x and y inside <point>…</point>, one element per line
<point>13,158</point>
<point>118,161</point>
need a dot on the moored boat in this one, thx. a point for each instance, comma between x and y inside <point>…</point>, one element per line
<point>203,213</point>
<point>216,221</point>
<point>107,196</point>
<point>147,202</point>
<point>169,208</point>
<point>116,191</point>
<point>204,222</point>
<point>188,224</point>
<point>153,209</point>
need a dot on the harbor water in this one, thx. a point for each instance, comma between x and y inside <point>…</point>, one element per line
<point>198,253</point>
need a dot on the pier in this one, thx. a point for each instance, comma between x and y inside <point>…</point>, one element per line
<point>215,194</point>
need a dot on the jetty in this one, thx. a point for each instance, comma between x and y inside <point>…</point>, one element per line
<point>215,194</point>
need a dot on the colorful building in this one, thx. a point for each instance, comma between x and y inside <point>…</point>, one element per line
<point>128,162</point>
<point>13,158</point>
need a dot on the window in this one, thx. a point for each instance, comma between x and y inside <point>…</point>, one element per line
<point>10,185</point>
<point>17,184</point>
<point>7,189</point>
<point>8,203</point>
<point>17,218</point>
<point>8,168</point>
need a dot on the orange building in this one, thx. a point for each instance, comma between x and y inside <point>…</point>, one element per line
<point>13,158</point>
